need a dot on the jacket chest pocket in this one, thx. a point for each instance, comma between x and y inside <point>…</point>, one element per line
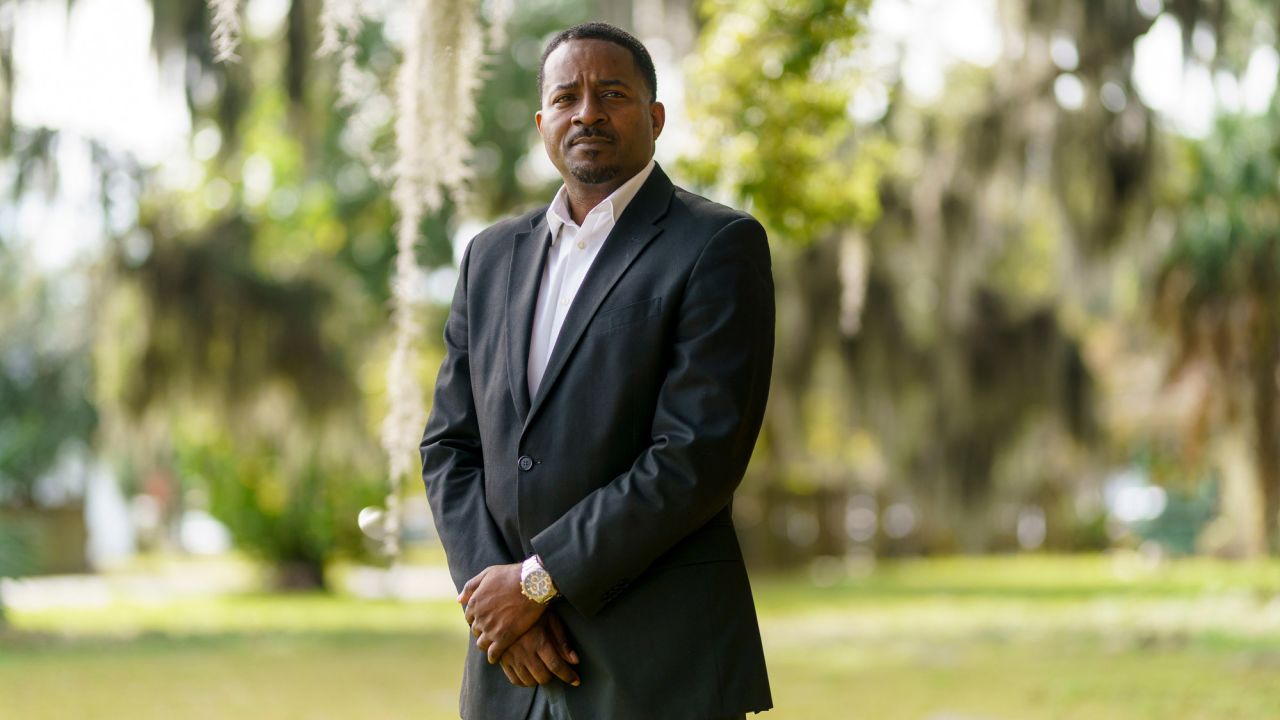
<point>611,319</point>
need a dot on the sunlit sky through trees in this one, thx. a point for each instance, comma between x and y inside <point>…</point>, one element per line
<point>91,74</point>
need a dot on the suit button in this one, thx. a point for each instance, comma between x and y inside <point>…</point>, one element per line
<point>525,462</point>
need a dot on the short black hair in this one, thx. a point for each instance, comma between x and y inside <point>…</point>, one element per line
<point>608,33</point>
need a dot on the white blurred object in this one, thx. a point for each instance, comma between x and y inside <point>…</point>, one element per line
<point>106,516</point>
<point>402,582</point>
<point>373,522</point>
<point>899,520</point>
<point>1130,497</point>
<point>1032,527</point>
<point>202,534</point>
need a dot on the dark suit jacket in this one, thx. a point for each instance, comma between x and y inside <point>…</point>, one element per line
<point>620,472</point>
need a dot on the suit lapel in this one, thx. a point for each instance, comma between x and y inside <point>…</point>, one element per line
<point>633,231</point>
<point>528,258</point>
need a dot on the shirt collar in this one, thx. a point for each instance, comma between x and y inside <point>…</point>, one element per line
<point>558,213</point>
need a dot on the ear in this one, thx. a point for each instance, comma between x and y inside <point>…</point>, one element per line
<point>537,119</point>
<point>658,113</point>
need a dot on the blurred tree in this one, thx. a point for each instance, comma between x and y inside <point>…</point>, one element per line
<point>245,311</point>
<point>1220,291</point>
<point>770,86</point>
<point>253,328</point>
<point>884,263</point>
<point>774,85</point>
<point>44,395</point>
<point>44,380</point>
<point>955,307</point>
<point>240,325</point>
<point>1217,287</point>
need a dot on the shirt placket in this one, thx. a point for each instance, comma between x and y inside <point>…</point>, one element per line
<point>571,236</point>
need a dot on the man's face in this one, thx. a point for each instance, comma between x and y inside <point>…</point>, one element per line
<point>597,120</point>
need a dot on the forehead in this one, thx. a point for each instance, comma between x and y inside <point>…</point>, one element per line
<point>573,59</point>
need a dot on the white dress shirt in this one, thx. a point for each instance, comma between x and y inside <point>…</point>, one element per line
<point>573,249</point>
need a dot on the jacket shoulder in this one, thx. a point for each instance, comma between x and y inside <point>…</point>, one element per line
<point>497,237</point>
<point>702,215</point>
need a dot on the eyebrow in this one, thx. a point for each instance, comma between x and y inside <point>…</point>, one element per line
<point>574,84</point>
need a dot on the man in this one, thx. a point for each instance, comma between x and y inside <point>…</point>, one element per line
<point>607,365</point>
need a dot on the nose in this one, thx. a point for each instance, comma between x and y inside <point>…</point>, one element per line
<point>590,111</point>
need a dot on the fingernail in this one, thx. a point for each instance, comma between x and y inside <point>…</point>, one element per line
<point>576,683</point>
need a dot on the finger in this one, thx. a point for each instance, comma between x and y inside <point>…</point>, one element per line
<point>561,638</point>
<point>492,654</point>
<point>510,673</point>
<point>539,671</point>
<point>556,664</point>
<point>483,642</point>
<point>464,597</point>
<point>525,678</point>
<point>469,614</point>
<point>496,643</point>
<point>501,641</point>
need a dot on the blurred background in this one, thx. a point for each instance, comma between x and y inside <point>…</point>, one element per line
<point>1022,453</point>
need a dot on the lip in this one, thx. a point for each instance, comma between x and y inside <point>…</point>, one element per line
<point>591,141</point>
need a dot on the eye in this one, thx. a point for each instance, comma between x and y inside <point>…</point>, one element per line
<point>561,98</point>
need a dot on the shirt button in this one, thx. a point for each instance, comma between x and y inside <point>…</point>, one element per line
<point>564,301</point>
<point>582,244</point>
<point>525,462</point>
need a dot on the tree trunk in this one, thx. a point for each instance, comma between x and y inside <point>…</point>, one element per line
<point>300,575</point>
<point>1243,534</point>
<point>1266,368</point>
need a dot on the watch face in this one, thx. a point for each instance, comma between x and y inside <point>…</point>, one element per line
<point>537,585</point>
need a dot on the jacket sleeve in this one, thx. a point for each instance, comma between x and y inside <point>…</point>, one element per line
<point>452,462</point>
<point>708,415</point>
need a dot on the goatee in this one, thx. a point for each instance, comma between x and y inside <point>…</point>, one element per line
<point>594,174</point>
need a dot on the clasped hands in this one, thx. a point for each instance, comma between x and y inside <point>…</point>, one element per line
<point>530,643</point>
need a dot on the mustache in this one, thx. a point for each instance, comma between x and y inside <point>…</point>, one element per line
<point>592,132</point>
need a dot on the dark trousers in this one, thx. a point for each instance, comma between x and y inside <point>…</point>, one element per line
<point>549,705</point>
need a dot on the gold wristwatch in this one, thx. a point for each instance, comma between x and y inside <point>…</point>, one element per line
<point>535,581</point>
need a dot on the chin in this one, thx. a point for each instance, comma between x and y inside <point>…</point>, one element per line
<point>594,174</point>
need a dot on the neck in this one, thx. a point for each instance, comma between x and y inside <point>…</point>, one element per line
<point>583,198</point>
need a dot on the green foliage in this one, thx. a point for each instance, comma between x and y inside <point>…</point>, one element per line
<point>295,509</point>
<point>771,87</point>
<point>17,552</point>
<point>44,378</point>
<point>253,373</point>
<point>1230,226</point>
<point>1227,188</point>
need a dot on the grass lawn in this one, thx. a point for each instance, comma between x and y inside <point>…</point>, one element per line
<point>956,639</point>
